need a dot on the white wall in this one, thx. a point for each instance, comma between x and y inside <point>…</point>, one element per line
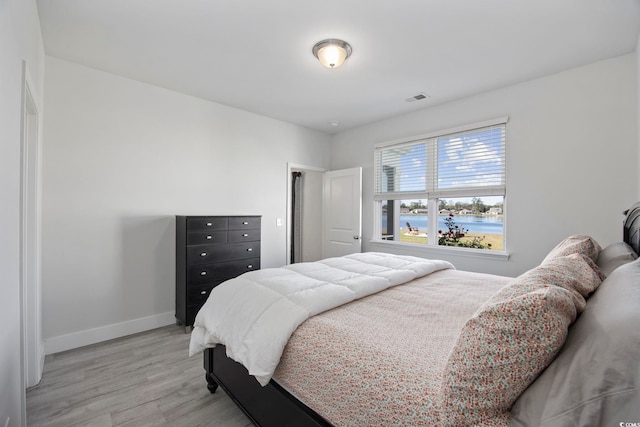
<point>20,39</point>
<point>572,157</point>
<point>121,159</point>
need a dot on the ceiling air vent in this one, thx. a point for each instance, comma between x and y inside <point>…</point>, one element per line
<point>418,97</point>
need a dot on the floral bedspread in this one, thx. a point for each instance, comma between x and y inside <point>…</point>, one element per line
<point>380,360</point>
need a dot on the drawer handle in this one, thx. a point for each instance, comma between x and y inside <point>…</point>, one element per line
<point>245,223</point>
<point>203,254</point>
<point>209,224</point>
<point>249,266</point>
<point>203,273</point>
<point>208,237</point>
<point>245,235</point>
<point>249,249</point>
<point>203,292</point>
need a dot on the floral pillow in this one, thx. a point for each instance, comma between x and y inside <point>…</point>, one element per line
<point>505,345</point>
<point>576,273</point>
<point>580,243</point>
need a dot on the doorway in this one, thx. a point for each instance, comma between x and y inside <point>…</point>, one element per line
<point>324,213</point>
<point>304,214</point>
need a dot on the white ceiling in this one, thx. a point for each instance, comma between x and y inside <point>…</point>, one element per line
<point>256,55</point>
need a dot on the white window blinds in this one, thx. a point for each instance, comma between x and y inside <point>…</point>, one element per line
<point>464,163</point>
<point>401,169</point>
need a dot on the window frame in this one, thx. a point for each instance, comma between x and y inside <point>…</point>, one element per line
<point>433,197</point>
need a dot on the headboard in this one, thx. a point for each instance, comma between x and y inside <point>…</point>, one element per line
<point>631,233</point>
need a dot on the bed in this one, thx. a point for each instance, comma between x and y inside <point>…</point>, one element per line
<point>376,339</point>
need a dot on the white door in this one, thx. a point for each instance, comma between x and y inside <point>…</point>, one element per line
<point>342,212</point>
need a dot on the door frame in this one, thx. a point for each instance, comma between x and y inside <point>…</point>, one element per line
<point>290,168</point>
<point>32,343</point>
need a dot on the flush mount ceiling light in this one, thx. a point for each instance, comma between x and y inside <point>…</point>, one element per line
<point>332,52</point>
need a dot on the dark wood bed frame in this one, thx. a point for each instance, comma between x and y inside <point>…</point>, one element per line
<point>266,406</point>
<point>273,406</point>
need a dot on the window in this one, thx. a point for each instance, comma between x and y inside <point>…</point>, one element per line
<point>446,188</point>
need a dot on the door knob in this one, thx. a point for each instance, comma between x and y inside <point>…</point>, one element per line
<point>356,237</point>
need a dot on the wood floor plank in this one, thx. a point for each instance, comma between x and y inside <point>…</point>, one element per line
<point>139,380</point>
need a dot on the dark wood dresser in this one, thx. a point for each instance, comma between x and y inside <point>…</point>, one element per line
<point>210,250</point>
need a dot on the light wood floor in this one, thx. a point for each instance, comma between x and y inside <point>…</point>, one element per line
<point>145,379</point>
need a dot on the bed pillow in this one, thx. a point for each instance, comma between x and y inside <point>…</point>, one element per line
<point>579,243</point>
<point>506,344</point>
<point>595,379</point>
<point>576,273</point>
<point>615,255</point>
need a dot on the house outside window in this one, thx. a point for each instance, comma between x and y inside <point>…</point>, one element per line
<point>443,189</point>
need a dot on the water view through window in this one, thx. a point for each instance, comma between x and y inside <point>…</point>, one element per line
<point>460,223</point>
<point>476,224</point>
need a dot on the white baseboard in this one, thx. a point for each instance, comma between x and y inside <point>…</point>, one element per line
<point>108,332</point>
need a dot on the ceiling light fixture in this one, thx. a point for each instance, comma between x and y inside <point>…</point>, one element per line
<point>332,52</point>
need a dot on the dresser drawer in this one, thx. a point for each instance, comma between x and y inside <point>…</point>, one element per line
<point>203,223</point>
<point>206,237</point>
<point>199,294</point>
<point>244,222</point>
<point>207,254</point>
<point>204,254</point>
<point>218,253</point>
<point>243,235</point>
<point>220,270</point>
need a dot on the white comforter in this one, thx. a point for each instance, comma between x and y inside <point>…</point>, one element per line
<point>254,314</point>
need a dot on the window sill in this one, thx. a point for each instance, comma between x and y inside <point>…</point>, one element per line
<point>434,251</point>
